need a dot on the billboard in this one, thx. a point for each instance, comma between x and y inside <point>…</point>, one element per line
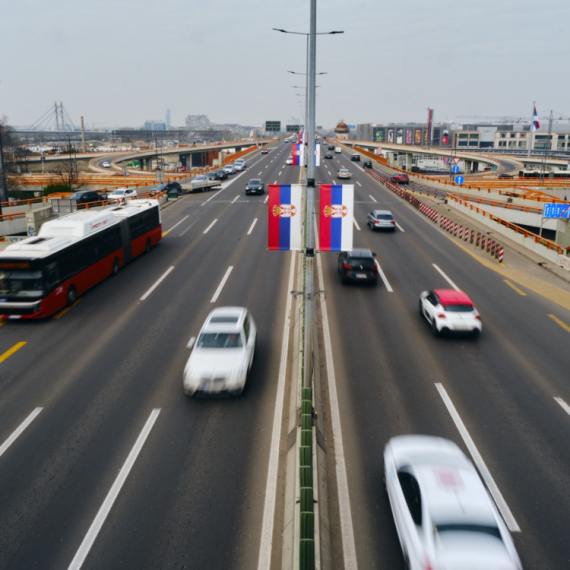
<point>418,137</point>
<point>436,135</point>
<point>445,137</point>
<point>378,135</point>
<point>390,135</point>
<point>400,136</point>
<point>409,136</point>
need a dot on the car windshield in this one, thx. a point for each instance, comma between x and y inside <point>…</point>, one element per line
<point>458,308</point>
<point>364,261</point>
<point>255,182</point>
<point>117,193</point>
<point>219,340</point>
<point>21,284</point>
<point>385,217</point>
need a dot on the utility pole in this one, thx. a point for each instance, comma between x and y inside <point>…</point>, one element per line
<point>82,136</point>
<point>310,235</point>
<point>3,185</point>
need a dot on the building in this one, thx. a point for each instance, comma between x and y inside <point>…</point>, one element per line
<point>167,118</point>
<point>342,131</point>
<point>155,125</point>
<point>197,122</point>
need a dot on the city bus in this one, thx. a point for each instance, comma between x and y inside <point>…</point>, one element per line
<point>42,274</point>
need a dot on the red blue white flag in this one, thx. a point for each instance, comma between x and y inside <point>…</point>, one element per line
<point>535,123</point>
<point>297,153</point>
<point>336,217</point>
<point>285,215</point>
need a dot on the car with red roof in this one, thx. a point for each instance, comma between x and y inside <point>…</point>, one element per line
<point>448,310</point>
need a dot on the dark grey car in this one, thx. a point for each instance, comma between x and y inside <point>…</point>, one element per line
<point>358,265</point>
<point>255,186</point>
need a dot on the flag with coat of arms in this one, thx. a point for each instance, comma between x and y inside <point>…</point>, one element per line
<point>285,213</point>
<point>336,217</point>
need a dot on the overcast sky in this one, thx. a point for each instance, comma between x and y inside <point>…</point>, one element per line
<point>121,62</point>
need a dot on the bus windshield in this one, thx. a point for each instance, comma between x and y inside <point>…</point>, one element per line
<point>21,284</point>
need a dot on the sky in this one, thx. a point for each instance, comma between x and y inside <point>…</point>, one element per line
<point>121,62</point>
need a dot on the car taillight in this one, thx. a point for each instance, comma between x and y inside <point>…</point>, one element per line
<point>393,222</point>
<point>347,266</point>
<point>441,316</point>
<point>478,317</point>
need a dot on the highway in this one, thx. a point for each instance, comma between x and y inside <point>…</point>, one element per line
<point>180,482</point>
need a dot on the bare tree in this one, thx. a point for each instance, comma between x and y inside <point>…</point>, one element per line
<point>65,172</point>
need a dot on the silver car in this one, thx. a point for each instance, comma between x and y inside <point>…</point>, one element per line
<point>381,220</point>
<point>229,168</point>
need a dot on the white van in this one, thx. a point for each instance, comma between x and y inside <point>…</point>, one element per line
<point>338,150</point>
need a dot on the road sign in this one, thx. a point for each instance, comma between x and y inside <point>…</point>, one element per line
<point>556,211</point>
<point>456,159</point>
<point>455,168</point>
<point>459,180</point>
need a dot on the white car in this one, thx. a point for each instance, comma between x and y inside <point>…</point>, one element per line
<point>106,164</point>
<point>239,166</point>
<point>120,193</point>
<point>289,160</point>
<point>448,310</point>
<point>442,511</point>
<point>344,173</point>
<point>222,354</point>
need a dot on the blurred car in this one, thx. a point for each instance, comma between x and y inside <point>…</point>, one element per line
<point>289,160</point>
<point>344,173</point>
<point>331,147</point>
<point>85,196</point>
<point>400,178</point>
<point>358,265</point>
<point>505,176</point>
<point>241,161</point>
<point>448,310</point>
<point>255,186</point>
<point>229,168</point>
<point>238,166</point>
<point>367,164</point>
<point>222,355</point>
<point>198,181</point>
<point>264,151</point>
<point>211,175</point>
<point>121,193</point>
<point>381,220</point>
<point>355,158</point>
<point>328,155</point>
<point>106,164</point>
<point>444,516</point>
<point>221,174</point>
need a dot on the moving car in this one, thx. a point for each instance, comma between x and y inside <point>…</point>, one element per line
<point>331,147</point>
<point>367,164</point>
<point>229,168</point>
<point>221,174</point>
<point>289,160</point>
<point>211,175</point>
<point>85,196</point>
<point>198,181</point>
<point>328,155</point>
<point>381,220</point>
<point>504,176</point>
<point>222,355</point>
<point>238,166</point>
<point>255,186</point>
<point>448,310</point>
<point>400,178</point>
<point>106,164</point>
<point>338,150</point>
<point>121,193</point>
<point>444,516</point>
<point>355,158</point>
<point>358,265</point>
<point>344,173</point>
<point>264,151</point>
<point>241,161</point>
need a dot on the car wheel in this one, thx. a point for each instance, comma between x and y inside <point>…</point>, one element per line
<point>476,333</point>
<point>147,249</point>
<point>71,295</point>
<point>434,328</point>
<point>115,269</point>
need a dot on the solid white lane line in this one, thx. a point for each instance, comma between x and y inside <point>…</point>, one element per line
<point>347,530</point>
<point>358,183</point>
<point>233,201</point>
<point>372,198</point>
<point>221,285</point>
<point>19,430</point>
<point>562,403</point>
<point>157,283</point>
<point>400,227</point>
<point>176,225</point>
<point>252,226</point>
<point>356,224</point>
<point>210,226</point>
<point>266,541</point>
<point>266,200</point>
<point>447,278</point>
<point>485,474</point>
<point>99,520</point>
<point>386,284</point>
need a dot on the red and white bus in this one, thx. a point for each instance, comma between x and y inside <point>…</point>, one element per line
<point>42,274</point>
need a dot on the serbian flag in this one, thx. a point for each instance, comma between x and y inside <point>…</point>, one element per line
<point>285,216</point>
<point>535,123</point>
<point>336,213</point>
<point>297,153</point>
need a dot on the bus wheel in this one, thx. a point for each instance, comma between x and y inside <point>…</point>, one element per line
<point>147,245</point>
<point>115,266</point>
<point>71,295</point>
